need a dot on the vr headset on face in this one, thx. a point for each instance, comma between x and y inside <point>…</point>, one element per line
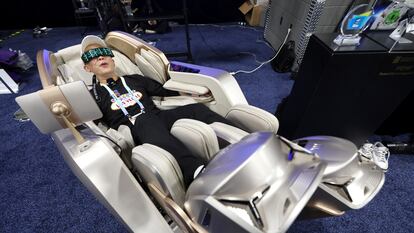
<point>94,53</point>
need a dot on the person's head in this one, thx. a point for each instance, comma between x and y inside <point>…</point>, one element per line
<point>97,58</point>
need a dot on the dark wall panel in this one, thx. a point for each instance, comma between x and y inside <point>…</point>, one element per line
<point>59,13</point>
<point>29,14</point>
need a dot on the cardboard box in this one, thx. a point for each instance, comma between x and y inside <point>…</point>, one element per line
<point>254,14</point>
<point>246,7</point>
<point>256,17</point>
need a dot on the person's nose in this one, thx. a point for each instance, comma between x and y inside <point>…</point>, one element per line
<point>100,58</point>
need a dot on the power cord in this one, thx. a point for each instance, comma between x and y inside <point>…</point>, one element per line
<point>104,136</point>
<point>263,63</point>
<point>240,25</point>
<point>110,139</point>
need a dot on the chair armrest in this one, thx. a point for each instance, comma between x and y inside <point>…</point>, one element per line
<point>223,86</point>
<point>121,140</point>
<point>171,102</point>
<point>186,87</point>
<point>252,119</point>
<point>125,131</point>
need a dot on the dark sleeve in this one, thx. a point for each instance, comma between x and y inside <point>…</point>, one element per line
<point>154,88</point>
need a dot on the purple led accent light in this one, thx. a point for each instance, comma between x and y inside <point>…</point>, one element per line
<point>46,62</point>
<point>291,154</point>
<point>203,70</point>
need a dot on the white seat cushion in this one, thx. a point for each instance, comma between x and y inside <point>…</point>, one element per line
<point>67,74</point>
<point>156,62</point>
<point>158,167</point>
<point>197,136</point>
<point>74,71</point>
<point>125,131</point>
<point>124,66</point>
<point>228,133</point>
<point>252,119</point>
<point>147,69</point>
<point>125,145</point>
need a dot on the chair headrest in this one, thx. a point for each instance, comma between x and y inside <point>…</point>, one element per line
<point>72,68</point>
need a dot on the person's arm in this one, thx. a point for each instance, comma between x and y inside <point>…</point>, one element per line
<point>154,88</point>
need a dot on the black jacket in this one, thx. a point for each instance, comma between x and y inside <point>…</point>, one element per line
<point>142,87</point>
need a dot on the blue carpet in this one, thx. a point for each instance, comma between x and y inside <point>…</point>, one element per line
<point>39,193</point>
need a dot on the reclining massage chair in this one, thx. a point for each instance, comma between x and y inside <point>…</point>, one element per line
<point>255,180</point>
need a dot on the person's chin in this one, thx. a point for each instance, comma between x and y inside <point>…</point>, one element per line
<point>107,72</point>
<point>106,75</point>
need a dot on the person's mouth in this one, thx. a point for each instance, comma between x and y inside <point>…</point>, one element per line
<point>103,64</point>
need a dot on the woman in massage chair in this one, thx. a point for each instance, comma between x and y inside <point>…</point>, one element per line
<point>127,101</point>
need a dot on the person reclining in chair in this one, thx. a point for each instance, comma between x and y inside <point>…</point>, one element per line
<point>127,101</point>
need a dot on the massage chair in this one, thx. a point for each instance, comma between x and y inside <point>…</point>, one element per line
<point>254,180</point>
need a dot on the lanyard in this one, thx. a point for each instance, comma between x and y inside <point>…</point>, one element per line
<point>119,102</point>
<point>132,94</point>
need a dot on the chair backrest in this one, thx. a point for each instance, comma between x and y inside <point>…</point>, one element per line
<point>151,61</point>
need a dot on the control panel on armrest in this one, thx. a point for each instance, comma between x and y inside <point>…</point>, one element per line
<point>182,68</point>
<point>223,86</point>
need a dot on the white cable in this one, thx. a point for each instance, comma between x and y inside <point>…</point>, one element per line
<point>277,53</point>
<point>254,55</point>
<point>228,25</point>
<point>264,42</point>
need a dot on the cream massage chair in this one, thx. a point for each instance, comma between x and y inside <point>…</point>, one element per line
<point>255,180</point>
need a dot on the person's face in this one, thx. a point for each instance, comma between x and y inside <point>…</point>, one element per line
<point>103,66</point>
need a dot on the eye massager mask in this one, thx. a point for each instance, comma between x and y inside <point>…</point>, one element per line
<point>97,52</point>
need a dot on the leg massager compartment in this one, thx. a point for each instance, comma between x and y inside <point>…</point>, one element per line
<point>260,184</point>
<point>348,182</point>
